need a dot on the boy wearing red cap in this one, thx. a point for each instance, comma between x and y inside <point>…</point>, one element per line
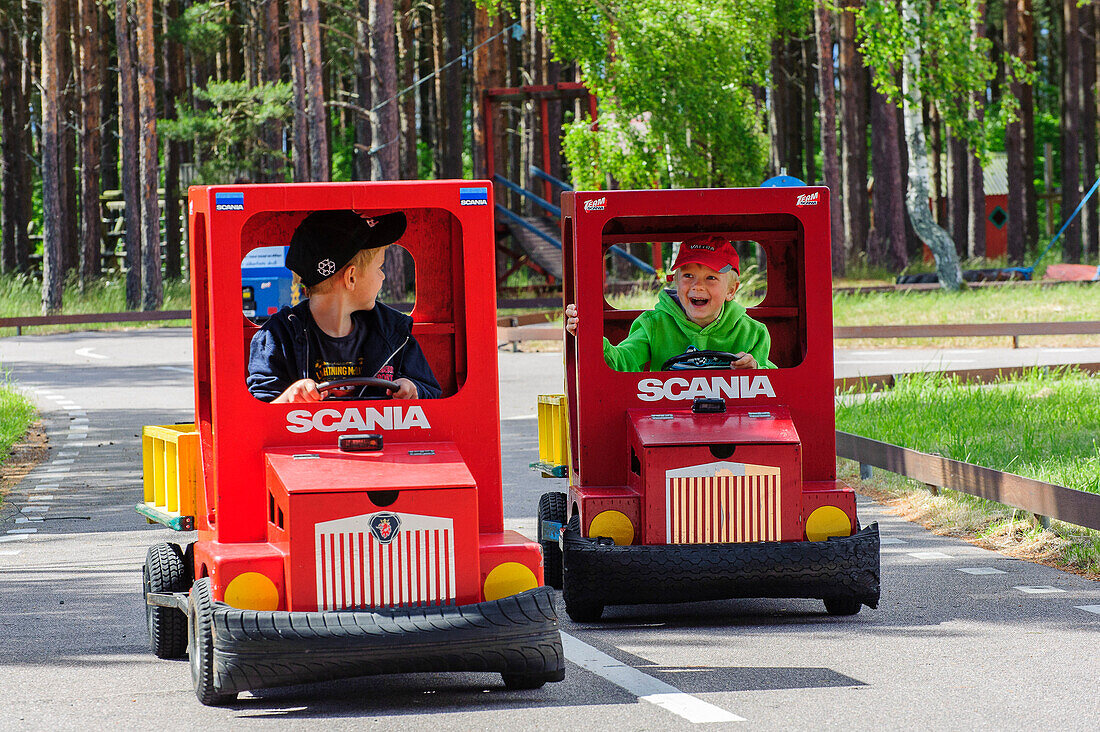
<point>699,314</point>
<point>341,330</point>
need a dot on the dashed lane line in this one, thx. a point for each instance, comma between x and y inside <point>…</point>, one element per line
<point>929,555</point>
<point>1089,608</point>
<point>980,570</point>
<point>643,686</point>
<point>1037,589</point>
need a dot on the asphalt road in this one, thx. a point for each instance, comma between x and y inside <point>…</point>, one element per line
<point>964,638</point>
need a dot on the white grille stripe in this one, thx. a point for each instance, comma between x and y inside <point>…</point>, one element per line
<point>722,502</point>
<point>356,570</point>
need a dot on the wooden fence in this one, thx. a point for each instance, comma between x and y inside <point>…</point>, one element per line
<point>1035,496</point>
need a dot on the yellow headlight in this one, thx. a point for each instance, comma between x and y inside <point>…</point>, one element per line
<point>252,591</point>
<point>509,578</point>
<point>613,524</point>
<point>827,521</point>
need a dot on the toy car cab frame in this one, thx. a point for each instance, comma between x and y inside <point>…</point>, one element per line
<point>314,562</point>
<point>667,503</point>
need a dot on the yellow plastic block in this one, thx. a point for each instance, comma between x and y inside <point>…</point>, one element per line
<point>553,415</point>
<point>170,459</point>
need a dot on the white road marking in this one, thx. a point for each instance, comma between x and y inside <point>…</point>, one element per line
<point>1037,589</point>
<point>980,570</point>
<point>176,368</point>
<point>77,413</point>
<point>929,555</point>
<point>75,444</point>
<point>891,540</point>
<point>518,417</point>
<point>65,454</point>
<point>66,461</point>
<point>46,486</point>
<point>35,509</point>
<point>27,519</point>
<point>643,686</point>
<point>87,353</point>
<point>896,361</point>
<point>22,531</point>
<point>57,398</point>
<point>13,537</point>
<point>1089,608</point>
<point>78,421</point>
<point>10,552</point>
<point>39,498</point>
<point>52,471</point>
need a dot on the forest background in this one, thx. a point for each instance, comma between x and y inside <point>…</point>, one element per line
<point>108,110</point>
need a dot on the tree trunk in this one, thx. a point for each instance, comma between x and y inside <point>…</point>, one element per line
<point>975,240</point>
<point>809,45</point>
<point>887,239</point>
<point>52,271</point>
<point>152,291</point>
<point>70,112</point>
<point>853,103</point>
<point>916,194</point>
<point>361,155</point>
<point>173,63</point>
<point>298,75</point>
<point>450,98</point>
<point>830,163</point>
<point>385,127</point>
<point>1027,125</point>
<point>406,51</point>
<point>777,120</point>
<point>1071,130</point>
<point>1017,163</point>
<point>91,234</point>
<point>958,183</point>
<point>1090,214</point>
<point>315,92</point>
<point>128,147</point>
<point>273,135</point>
<point>482,68</point>
<point>13,155</point>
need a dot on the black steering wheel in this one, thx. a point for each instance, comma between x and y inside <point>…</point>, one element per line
<point>328,387</point>
<point>701,359</point>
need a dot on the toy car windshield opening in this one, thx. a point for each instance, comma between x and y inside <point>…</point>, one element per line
<point>418,282</point>
<point>770,278</point>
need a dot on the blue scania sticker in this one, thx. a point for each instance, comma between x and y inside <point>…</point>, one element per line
<point>384,527</point>
<point>473,196</point>
<point>229,201</point>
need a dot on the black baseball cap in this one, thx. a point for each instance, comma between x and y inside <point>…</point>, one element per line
<point>325,241</point>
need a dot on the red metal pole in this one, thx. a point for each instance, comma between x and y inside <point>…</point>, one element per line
<point>544,113</point>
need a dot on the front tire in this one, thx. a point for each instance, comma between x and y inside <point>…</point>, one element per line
<point>552,507</point>
<point>165,571</point>
<point>200,636</point>
<point>842,605</point>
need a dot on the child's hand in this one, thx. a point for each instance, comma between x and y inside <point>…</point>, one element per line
<point>744,361</point>
<point>302,390</point>
<point>407,390</point>
<point>571,319</point>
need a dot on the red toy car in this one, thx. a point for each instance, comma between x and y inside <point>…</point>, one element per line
<point>346,538</point>
<point>712,483</point>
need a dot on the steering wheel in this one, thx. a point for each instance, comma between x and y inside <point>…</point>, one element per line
<point>330,386</point>
<point>701,359</point>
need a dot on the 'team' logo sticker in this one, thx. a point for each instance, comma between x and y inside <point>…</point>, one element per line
<point>229,201</point>
<point>596,204</point>
<point>807,199</point>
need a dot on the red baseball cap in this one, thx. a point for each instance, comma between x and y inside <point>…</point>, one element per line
<point>713,251</point>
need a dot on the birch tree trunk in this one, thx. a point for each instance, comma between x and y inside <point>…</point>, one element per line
<point>916,194</point>
<point>52,268</point>
<point>128,149</point>
<point>298,76</point>
<point>830,162</point>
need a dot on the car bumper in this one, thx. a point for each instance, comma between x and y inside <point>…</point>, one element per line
<point>605,574</point>
<point>515,636</point>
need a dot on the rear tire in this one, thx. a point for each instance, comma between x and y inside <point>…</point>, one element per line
<point>842,605</point>
<point>552,508</point>
<point>517,681</point>
<point>200,636</point>
<point>165,571</point>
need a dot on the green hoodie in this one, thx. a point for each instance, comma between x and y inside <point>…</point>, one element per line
<point>665,331</point>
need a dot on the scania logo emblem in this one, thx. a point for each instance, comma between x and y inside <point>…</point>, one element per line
<point>384,526</point>
<point>326,267</point>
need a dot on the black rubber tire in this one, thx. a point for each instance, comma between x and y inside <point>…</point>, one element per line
<point>580,605</point>
<point>200,637</point>
<point>530,681</point>
<point>165,571</point>
<point>842,605</point>
<point>583,612</point>
<point>552,507</point>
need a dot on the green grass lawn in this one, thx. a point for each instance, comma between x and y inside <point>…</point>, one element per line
<point>1044,425</point>
<point>16,415</point>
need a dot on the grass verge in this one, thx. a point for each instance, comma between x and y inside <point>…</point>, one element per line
<point>1044,425</point>
<point>16,415</point>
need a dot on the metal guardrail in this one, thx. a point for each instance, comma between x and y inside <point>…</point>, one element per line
<point>1035,496</point>
<point>136,316</point>
<point>966,330</point>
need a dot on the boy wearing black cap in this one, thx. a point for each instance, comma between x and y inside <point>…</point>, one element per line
<point>341,330</point>
<point>699,314</point>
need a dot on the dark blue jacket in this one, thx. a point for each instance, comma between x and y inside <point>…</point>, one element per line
<point>279,355</point>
